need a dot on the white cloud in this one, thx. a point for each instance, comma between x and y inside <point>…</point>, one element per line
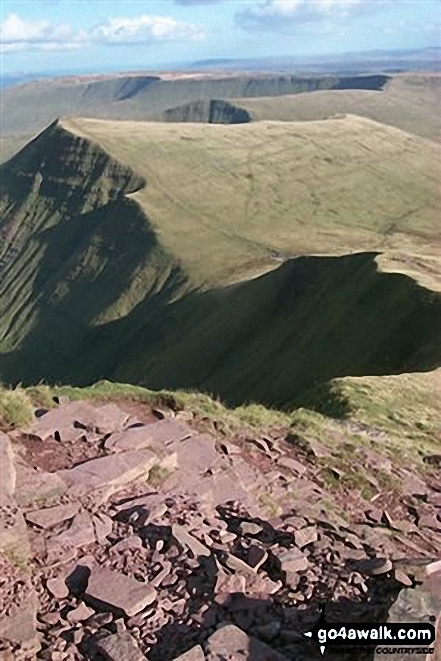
<point>143,29</point>
<point>17,34</point>
<point>285,13</point>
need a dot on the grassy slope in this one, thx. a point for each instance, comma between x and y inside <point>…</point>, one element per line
<point>410,102</point>
<point>328,187</point>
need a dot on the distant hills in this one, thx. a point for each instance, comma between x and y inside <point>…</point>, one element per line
<point>426,59</point>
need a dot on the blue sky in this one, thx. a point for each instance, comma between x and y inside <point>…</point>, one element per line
<point>63,35</point>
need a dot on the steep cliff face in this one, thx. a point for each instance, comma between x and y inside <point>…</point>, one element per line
<point>74,251</point>
<point>209,112</point>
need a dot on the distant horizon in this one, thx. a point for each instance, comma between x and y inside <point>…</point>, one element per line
<point>192,65</point>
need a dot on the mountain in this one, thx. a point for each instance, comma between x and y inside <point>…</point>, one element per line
<point>28,109</point>
<point>408,101</point>
<point>124,258</point>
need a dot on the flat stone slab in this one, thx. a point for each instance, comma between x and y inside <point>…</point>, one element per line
<point>80,533</point>
<point>120,647</point>
<point>68,422</point>
<point>13,533</point>
<point>292,465</point>
<point>37,487</point>
<point>231,642</point>
<point>7,469</point>
<point>111,590</point>
<point>158,434</point>
<point>111,472</point>
<point>52,516</point>
<point>109,418</point>
<point>189,542</point>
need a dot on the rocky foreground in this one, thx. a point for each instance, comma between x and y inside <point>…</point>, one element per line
<point>127,535</point>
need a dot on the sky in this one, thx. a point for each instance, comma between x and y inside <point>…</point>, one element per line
<point>106,35</point>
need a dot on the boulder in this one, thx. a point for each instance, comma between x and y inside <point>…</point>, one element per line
<point>115,591</point>
<point>111,472</point>
<point>157,434</point>
<point>36,486</point>
<point>230,642</point>
<point>120,647</point>
<point>52,516</point>
<point>66,423</point>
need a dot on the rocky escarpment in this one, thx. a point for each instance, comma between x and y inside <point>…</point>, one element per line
<point>138,534</point>
<point>209,112</point>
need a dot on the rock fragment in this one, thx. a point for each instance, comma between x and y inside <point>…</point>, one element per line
<point>305,536</point>
<point>120,647</point>
<point>113,590</point>
<point>156,435</point>
<point>195,654</point>
<point>189,542</point>
<point>79,614</point>
<point>230,642</point>
<point>292,560</point>
<point>257,556</point>
<point>373,566</point>
<point>250,528</point>
<point>52,516</point>
<point>102,525</point>
<point>111,472</point>
<point>57,587</point>
<point>292,465</point>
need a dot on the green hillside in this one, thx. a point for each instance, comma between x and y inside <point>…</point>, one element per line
<point>328,187</point>
<point>408,101</point>
<point>182,255</point>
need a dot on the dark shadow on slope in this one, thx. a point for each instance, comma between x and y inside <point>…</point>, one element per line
<point>268,340</point>
<point>89,263</point>
<point>209,112</point>
<point>251,614</point>
<point>272,338</point>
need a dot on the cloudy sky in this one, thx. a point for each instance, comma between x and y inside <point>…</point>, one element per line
<point>79,35</point>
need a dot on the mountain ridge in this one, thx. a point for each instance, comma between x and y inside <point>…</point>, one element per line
<point>94,289</point>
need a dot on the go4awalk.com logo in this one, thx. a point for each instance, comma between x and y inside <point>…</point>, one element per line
<point>386,636</point>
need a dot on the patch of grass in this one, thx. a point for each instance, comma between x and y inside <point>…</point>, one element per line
<point>268,502</point>
<point>15,407</point>
<point>387,481</point>
<point>328,399</point>
<point>332,507</point>
<point>158,475</point>
<point>17,555</point>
